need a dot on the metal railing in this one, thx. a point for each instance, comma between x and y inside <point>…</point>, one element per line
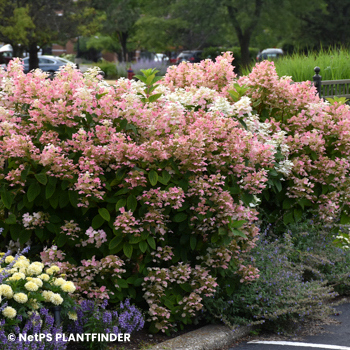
<point>331,88</point>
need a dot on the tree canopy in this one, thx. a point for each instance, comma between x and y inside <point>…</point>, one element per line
<point>30,25</point>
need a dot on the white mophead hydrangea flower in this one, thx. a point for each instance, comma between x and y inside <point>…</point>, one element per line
<point>20,298</point>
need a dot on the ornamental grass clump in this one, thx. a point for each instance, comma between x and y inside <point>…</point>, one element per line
<point>92,317</point>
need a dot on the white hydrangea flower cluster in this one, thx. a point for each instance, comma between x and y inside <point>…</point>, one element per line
<point>25,282</point>
<point>35,220</point>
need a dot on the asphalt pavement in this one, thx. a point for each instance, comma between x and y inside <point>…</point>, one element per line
<point>333,336</point>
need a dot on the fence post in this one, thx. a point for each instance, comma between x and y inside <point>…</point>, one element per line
<point>317,78</point>
<point>57,315</point>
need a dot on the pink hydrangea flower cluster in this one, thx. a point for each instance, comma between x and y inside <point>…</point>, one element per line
<point>86,274</point>
<point>161,283</point>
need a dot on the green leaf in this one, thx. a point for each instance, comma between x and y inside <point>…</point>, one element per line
<point>168,304</point>
<point>186,287</point>
<point>42,178</point>
<point>15,231</point>
<point>297,214</point>
<point>135,239</point>
<point>151,242</point>
<point>97,222</point>
<point>24,236</point>
<point>153,177</point>
<point>128,249</point>
<point>154,97</point>
<point>54,201</point>
<point>247,198</point>
<point>131,202</point>
<point>288,218</point>
<point>214,238</point>
<point>238,233</point>
<point>115,241</point>
<point>7,198</point>
<point>73,198</point>
<point>122,283</point>
<point>24,173</point>
<point>166,176</point>
<point>120,204</point>
<point>237,223</point>
<point>143,246</point>
<point>120,173</point>
<point>61,240</point>
<point>287,203</point>
<point>222,231</point>
<point>344,219</point>
<point>179,217</point>
<point>193,242</point>
<point>278,185</point>
<point>51,187</point>
<point>63,199</point>
<point>104,214</point>
<point>11,219</point>
<point>39,233</point>
<point>33,191</point>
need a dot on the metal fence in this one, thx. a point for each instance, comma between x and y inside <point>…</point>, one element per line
<point>331,88</point>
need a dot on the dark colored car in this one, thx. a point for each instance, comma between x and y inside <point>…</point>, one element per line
<point>189,56</point>
<point>49,64</point>
<point>269,54</point>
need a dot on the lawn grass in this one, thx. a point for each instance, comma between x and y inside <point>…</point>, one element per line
<point>334,64</point>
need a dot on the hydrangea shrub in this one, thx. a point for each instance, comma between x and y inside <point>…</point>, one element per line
<point>164,178</point>
<point>317,136</point>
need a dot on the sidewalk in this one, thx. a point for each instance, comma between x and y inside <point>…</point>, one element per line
<point>207,338</point>
<point>215,337</point>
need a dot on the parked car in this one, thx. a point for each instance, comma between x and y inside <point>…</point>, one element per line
<point>161,57</point>
<point>194,56</point>
<point>269,54</point>
<point>50,64</point>
<point>5,55</point>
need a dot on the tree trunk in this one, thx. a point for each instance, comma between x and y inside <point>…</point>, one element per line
<point>123,38</point>
<point>244,43</point>
<point>33,56</point>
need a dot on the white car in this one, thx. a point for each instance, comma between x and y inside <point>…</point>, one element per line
<point>47,63</point>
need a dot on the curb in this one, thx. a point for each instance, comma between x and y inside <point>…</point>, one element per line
<point>211,337</point>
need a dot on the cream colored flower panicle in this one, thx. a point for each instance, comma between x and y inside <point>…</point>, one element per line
<point>56,299</point>
<point>20,298</point>
<point>6,291</point>
<point>45,277</point>
<point>35,268</point>
<point>68,287</point>
<point>17,276</point>
<point>59,281</point>
<point>9,259</point>
<point>9,312</point>
<point>47,294</point>
<point>21,263</point>
<point>37,281</point>
<point>31,286</point>
<point>72,315</point>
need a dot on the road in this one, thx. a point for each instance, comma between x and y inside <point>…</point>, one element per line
<point>335,337</point>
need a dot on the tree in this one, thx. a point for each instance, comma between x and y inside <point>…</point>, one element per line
<point>329,27</point>
<point>120,18</point>
<point>33,24</point>
<point>189,24</point>
<point>249,17</point>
